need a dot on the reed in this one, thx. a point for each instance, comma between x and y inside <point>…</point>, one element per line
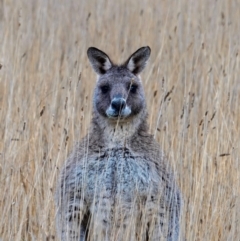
<point>191,84</point>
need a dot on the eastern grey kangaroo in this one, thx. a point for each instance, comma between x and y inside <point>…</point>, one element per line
<point>116,184</point>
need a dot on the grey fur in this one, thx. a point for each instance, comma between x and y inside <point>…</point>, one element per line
<point>117,184</point>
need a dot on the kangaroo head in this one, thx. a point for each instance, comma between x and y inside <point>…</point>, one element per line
<point>119,94</point>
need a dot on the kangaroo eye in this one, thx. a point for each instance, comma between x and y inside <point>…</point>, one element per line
<point>105,89</point>
<point>133,88</point>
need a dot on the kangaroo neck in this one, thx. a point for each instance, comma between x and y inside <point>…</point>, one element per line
<point>116,134</point>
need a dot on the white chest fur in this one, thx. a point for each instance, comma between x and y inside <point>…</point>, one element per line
<point>115,173</point>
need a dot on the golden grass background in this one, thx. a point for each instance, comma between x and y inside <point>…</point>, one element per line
<point>192,86</point>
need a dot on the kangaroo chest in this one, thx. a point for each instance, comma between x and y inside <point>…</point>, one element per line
<point>116,173</point>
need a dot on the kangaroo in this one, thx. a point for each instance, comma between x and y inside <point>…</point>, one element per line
<point>117,184</point>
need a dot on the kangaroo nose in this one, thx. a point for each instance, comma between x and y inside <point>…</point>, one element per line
<point>118,104</point>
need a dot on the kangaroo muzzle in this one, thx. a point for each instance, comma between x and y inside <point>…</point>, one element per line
<point>118,108</point>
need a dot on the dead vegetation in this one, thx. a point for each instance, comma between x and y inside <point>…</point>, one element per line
<point>191,83</point>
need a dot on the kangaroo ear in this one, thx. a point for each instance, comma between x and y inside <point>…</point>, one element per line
<point>138,60</point>
<point>100,62</point>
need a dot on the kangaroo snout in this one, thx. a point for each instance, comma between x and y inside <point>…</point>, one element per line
<point>118,108</point>
<point>118,104</point>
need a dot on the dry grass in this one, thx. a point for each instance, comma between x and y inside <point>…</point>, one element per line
<point>192,85</point>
